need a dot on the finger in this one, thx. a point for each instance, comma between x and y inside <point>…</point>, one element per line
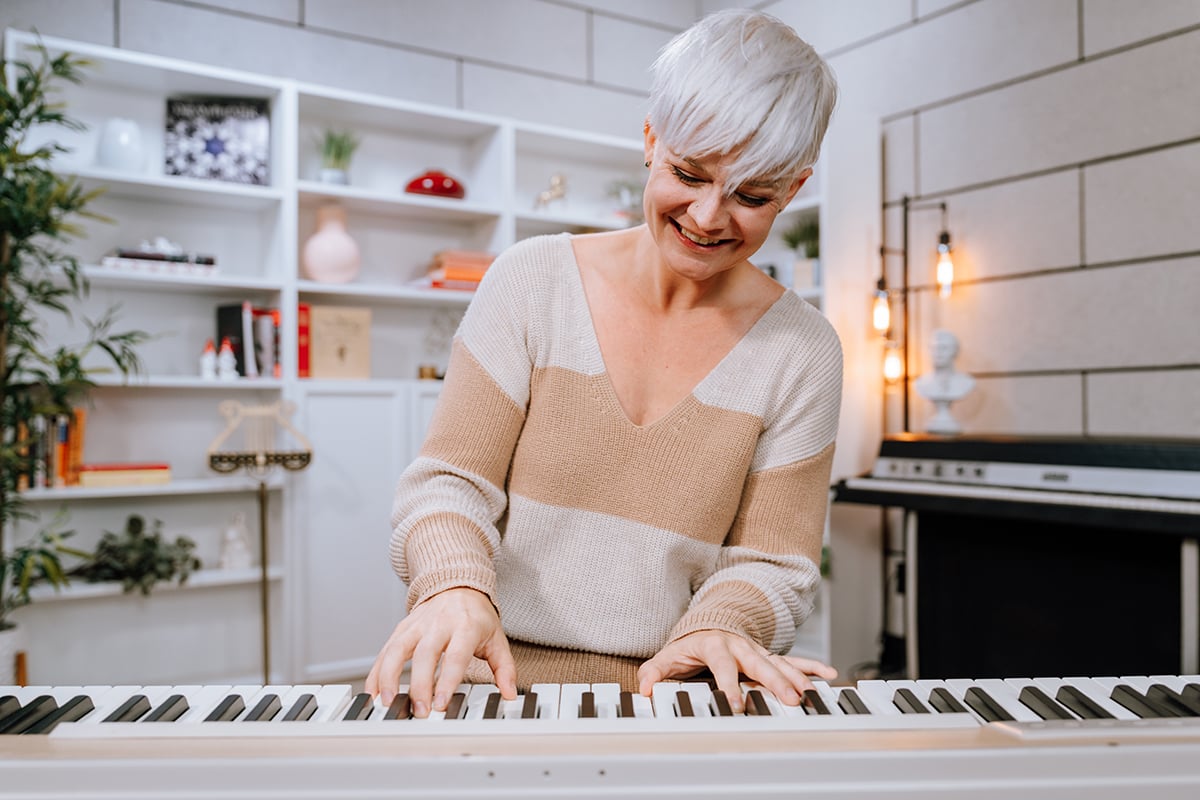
<point>454,667</point>
<point>384,677</point>
<point>648,674</point>
<point>504,667</point>
<point>813,667</point>
<point>727,675</point>
<point>422,672</point>
<point>768,671</point>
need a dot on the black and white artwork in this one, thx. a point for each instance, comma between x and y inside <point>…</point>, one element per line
<point>220,138</point>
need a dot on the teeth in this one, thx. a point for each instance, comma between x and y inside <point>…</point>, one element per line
<point>697,239</point>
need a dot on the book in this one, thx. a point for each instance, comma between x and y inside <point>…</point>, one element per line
<point>303,343</point>
<point>266,341</point>
<point>123,474</point>
<point>218,138</point>
<point>75,436</point>
<point>62,427</point>
<point>339,342</point>
<point>235,322</point>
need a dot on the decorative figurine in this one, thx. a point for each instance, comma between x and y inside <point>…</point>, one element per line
<point>226,362</point>
<point>557,191</point>
<point>945,384</point>
<point>208,362</point>
<point>235,546</point>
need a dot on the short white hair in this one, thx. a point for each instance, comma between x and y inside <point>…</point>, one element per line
<point>741,80</point>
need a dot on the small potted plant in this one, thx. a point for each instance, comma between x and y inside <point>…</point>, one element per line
<point>138,559</point>
<point>803,238</point>
<point>337,148</point>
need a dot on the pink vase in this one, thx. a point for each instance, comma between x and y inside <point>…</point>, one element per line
<point>331,255</point>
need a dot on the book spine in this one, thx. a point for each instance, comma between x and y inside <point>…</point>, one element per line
<point>229,326</point>
<point>26,467</point>
<point>75,436</point>
<point>130,477</point>
<point>250,355</point>
<point>62,427</point>
<point>303,342</point>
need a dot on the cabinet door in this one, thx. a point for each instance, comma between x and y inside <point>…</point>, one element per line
<point>350,599</point>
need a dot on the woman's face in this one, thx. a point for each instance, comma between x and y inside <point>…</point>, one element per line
<point>701,229</point>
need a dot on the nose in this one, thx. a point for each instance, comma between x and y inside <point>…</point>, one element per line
<point>708,209</point>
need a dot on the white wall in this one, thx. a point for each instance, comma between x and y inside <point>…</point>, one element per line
<point>1063,134</point>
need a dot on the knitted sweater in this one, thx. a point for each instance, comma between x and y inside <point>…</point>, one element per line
<point>598,540</point>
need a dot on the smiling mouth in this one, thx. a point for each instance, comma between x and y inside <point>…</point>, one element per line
<point>699,240</point>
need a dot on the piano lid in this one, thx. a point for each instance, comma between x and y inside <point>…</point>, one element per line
<point>1082,451</point>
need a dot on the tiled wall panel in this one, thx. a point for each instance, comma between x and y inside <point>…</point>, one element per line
<point>826,31</point>
<point>1146,205</point>
<point>1113,23</point>
<point>1163,403</point>
<point>671,14</point>
<point>1130,100</point>
<point>231,41</point>
<point>283,10</point>
<point>623,52</point>
<point>1039,405</point>
<point>90,21</point>
<point>527,34</point>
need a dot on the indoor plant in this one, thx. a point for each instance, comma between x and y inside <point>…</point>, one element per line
<point>139,559</point>
<point>803,238</point>
<point>337,148</point>
<point>39,279</point>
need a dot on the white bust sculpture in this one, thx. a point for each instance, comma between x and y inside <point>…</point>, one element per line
<point>945,384</point>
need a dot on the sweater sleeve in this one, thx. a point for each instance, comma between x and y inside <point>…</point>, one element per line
<point>450,501</point>
<point>767,573</point>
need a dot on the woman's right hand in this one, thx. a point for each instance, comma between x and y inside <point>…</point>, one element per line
<point>450,627</point>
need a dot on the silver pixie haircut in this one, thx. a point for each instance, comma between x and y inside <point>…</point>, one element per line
<point>742,79</point>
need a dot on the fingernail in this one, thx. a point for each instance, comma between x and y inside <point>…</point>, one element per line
<point>420,710</point>
<point>440,701</point>
<point>791,697</point>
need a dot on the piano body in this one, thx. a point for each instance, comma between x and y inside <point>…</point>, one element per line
<point>1043,555</point>
<point>992,738</point>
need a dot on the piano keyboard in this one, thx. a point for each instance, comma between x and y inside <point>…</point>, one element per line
<point>1164,706</point>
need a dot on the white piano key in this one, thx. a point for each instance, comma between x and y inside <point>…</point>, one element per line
<point>569,699</point>
<point>643,707</point>
<point>919,691</point>
<point>332,701</point>
<point>202,700</point>
<point>291,694</point>
<point>608,699</point>
<point>878,695</point>
<point>663,698</point>
<point>106,702</point>
<point>547,699</point>
<point>701,696</point>
<point>1006,696</point>
<point>477,700</point>
<point>829,694</point>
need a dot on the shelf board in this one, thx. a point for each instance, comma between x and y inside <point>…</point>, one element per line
<point>396,204</point>
<point>418,291</point>
<point>179,190</point>
<point>201,579</point>
<point>552,221</point>
<point>235,484</point>
<point>187,382</point>
<point>215,284</point>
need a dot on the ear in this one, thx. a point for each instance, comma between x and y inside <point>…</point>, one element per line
<point>796,184</point>
<point>649,140</point>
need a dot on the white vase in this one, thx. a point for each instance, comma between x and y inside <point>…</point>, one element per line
<point>12,641</point>
<point>120,146</point>
<point>331,255</point>
<point>335,176</point>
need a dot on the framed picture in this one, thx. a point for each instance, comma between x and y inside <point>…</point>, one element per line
<point>218,138</point>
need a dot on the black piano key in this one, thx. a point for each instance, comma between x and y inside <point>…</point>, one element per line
<point>265,709</point>
<point>227,710</point>
<point>813,704</point>
<point>457,706</point>
<point>851,703</point>
<point>169,710</point>
<point>529,707</point>
<point>131,710</point>
<point>908,702</point>
<point>985,705</point>
<point>401,707</point>
<point>1185,707</point>
<point>1139,703</point>
<point>302,710</point>
<point>756,704</point>
<point>491,709</point>
<point>360,708</point>
<point>1083,706</point>
<point>74,709</point>
<point>720,704</point>
<point>683,704</point>
<point>587,705</point>
<point>9,704</point>
<point>1191,691</point>
<point>1042,704</point>
<point>30,714</point>
<point>944,702</point>
<point>625,705</point>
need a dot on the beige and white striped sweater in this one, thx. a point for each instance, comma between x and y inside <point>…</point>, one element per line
<point>599,540</point>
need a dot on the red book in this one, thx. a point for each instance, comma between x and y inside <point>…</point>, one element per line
<point>303,332</point>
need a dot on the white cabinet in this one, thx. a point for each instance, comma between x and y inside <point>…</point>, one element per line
<point>333,597</point>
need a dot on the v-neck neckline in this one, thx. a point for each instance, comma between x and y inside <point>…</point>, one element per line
<point>687,404</point>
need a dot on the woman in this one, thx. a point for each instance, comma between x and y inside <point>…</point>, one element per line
<point>629,463</point>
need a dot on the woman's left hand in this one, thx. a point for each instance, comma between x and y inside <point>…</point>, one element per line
<point>729,656</point>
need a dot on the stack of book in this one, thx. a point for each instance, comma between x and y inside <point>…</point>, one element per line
<point>123,474</point>
<point>459,269</point>
<point>254,333</point>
